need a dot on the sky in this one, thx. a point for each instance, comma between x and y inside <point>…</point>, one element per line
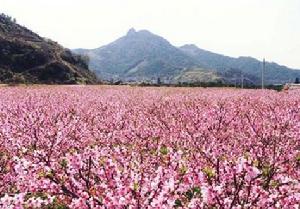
<point>259,28</point>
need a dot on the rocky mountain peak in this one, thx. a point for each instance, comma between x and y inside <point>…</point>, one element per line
<point>131,31</point>
<point>189,46</point>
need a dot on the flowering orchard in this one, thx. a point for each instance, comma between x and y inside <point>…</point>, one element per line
<point>128,147</point>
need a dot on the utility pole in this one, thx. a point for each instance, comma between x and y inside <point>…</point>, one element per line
<point>242,80</point>
<point>262,74</point>
<point>235,81</point>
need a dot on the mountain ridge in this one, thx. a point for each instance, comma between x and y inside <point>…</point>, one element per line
<point>139,56</point>
<point>28,58</point>
<point>142,55</point>
<point>274,72</point>
<point>238,57</point>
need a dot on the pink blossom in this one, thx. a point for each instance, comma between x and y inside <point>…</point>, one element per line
<point>117,147</point>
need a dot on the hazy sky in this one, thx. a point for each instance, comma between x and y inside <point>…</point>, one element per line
<point>258,28</point>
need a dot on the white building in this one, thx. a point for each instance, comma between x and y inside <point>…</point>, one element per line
<point>291,86</point>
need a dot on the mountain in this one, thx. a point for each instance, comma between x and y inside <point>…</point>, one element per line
<point>143,56</point>
<point>25,57</point>
<point>230,68</point>
<point>140,56</point>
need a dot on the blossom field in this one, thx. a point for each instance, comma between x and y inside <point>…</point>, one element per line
<point>128,147</point>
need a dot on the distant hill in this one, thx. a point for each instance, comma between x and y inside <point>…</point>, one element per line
<point>25,57</point>
<point>143,56</point>
<point>251,68</point>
